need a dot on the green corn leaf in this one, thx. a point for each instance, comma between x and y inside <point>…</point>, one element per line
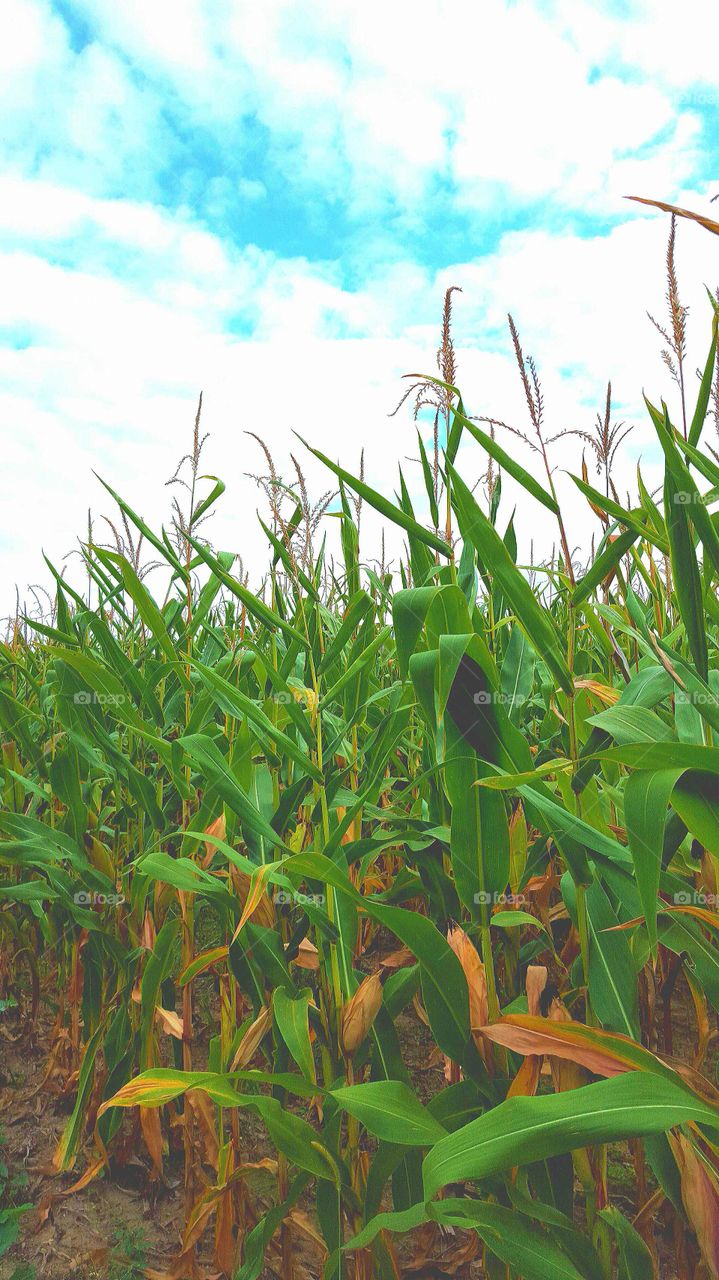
<point>208,758</point>
<point>237,704</point>
<point>204,506</point>
<point>508,463</point>
<point>630,519</point>
<point>165,551</point>
<point>687,578</point>
<point>141,598</point>
<point>443,984</point>
<point>705,387</point>
<point>522,1130</point>
<point>291,1014</point>
<point>603,565</point>
<point>382,504</point>
<point>537,624</point>
<point>646,797</point>
<point>255,607</point>
<point>391,1111</point>
<point>290,1134</point>
<point>528,1250</point>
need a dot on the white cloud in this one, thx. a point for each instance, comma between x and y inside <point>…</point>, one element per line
<point>375,101</point>
<point>118,308</point>
<point>110,378</point>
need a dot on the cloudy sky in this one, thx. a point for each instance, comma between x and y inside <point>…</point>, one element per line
<point>267,202</point>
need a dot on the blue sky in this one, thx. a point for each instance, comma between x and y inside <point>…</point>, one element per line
<point>267,202</point>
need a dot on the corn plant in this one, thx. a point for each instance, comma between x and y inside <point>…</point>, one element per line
<point>249,838</point>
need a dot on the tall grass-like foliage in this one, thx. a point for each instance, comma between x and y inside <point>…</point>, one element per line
<point>254,844</point>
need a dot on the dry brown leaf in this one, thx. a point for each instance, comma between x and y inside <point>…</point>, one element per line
<point>604,692</point>
<point>420,1010</point>
<point>535,982</point>
<point>474,972</point>
<point>700,1193</point>
<point>531,1035</point>
<point>304,1223</point>
<point>307,955</point>
<point>170,1021</point>
<point>256,901</point>
<point>148,934</point>
<point>152,1133</point>
<point>397,959</point>
<point>217,828</point>
<point>526,1081</point>
<point>703,221</point>
<point>205,1112</point>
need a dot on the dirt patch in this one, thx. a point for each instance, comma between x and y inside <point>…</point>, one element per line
<point>120,1224</point>
<point>83,1236</point>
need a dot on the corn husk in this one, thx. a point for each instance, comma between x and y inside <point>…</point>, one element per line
<point>359,1013</point>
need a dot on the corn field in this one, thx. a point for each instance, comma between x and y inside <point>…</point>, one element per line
<point>271,861</point>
